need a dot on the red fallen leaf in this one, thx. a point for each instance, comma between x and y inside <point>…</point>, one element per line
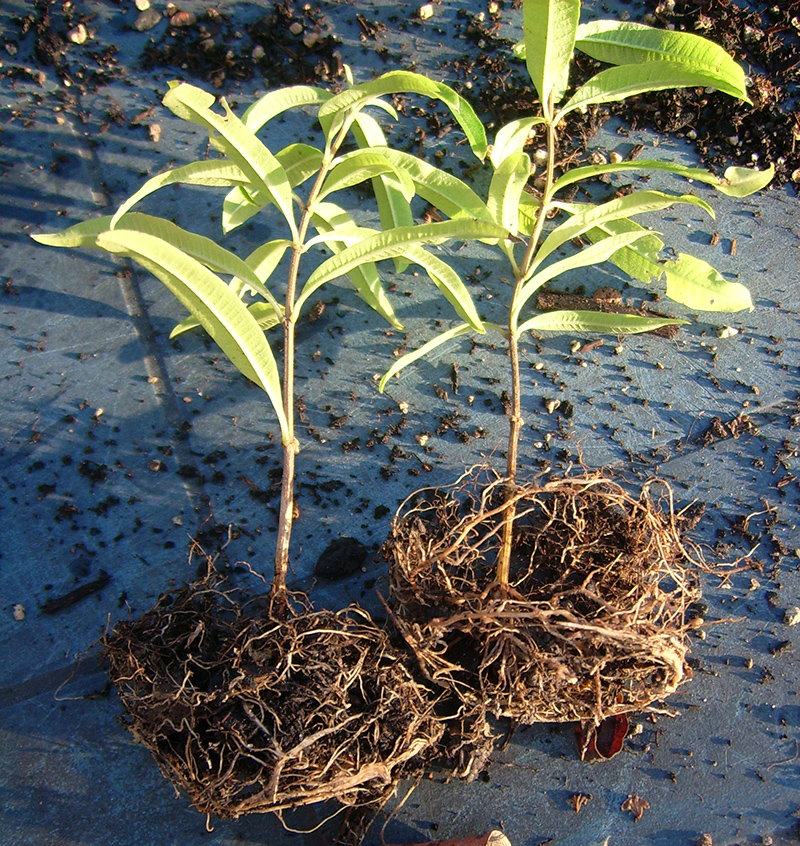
<point>599,743</point>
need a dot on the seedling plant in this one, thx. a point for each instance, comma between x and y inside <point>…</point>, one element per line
<point>270,708</point>
<point>568,636</point>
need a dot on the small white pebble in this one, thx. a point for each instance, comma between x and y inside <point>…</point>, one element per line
<point>78,35</point>
<point>19,612</point>
<point>792,616</point>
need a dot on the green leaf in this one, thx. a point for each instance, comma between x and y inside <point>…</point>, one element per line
<point>214,172</point>
<point>263,313</point>
<point>623,43</point>
<point>549,32</point>
<point>636,203</point>
<point>339,230</point>
<point>625,81</point>
<point>744,181</point>
<point>228,134</point>
<point>198,247</point>
<point>505,189</point>
<point>400,82</point>
<point>263,261</point>
<point>529,207</point>
<point>410,358</point>
<point>396,242</point>
<point>449,283</point>
<point>275,103</point>
<point>238,207</point>
<point>697,285</point>
<point>445,192</point>
<point>394,204</point>
<point>218,310</point>
<point>595,321</point>
<point>512,138</point>
<point>639,260</point>
<point>593,254</point>
<point>82,234</point>
<point>737,182</point>
<point>354,168</point>
<point>299,161</point>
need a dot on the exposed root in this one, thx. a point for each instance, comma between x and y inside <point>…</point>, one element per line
<point>594,620</point>
<point>252,711</point>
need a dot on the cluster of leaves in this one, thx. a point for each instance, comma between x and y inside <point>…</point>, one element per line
<point>236,300</point>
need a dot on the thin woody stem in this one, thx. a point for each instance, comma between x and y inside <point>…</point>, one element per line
<point>291,446</point>
<point>503,571</point>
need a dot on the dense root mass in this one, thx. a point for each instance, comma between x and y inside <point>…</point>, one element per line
<point>594,621</point>
<point>250,711</point>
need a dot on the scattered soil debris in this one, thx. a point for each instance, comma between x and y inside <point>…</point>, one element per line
<point>720,430</point>
<point>67,600</point>
<point>284,47</point>
<point>636,805</point>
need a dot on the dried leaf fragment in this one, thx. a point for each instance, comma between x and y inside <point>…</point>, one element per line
<point>636,805</point>
<point>578,800</point>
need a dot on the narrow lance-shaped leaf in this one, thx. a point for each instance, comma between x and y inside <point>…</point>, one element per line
<point>449,283</point>
<point>505,189</point>
<point>82,234</point>
<point>394,243</point>
<point>338,230</point>
<point>512,138</point>
<point>593,254</point>
<point>624,42</point>
<point>275,103</point>
<point>697,285</point>
<point>595,321</point>
<point>637,203</point>
<point>205,250</point>
<point>299,162</point>
<point>228,134</point>
<point>400,82</point>
<point>219,311</point>
<point>424,350</point>
<point>619,83</point>
<point>214,173</point>
<point>357,167</point>
<point>262,261</point>
<point>445,192</point>
<point>394,204</point>
<point>638,260</point>
<point>202,249</point>
<point>263,314</point>
<point>737,181</point>
<point>549,33</point>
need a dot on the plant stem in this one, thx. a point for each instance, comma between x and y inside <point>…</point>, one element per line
<point>291,445</point>
<point>503,569</point>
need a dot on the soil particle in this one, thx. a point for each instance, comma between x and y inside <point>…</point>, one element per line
<point>341,558</point>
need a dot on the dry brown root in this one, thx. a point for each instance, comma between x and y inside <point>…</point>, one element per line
<point>594,622</point>
<point>252,712</point>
